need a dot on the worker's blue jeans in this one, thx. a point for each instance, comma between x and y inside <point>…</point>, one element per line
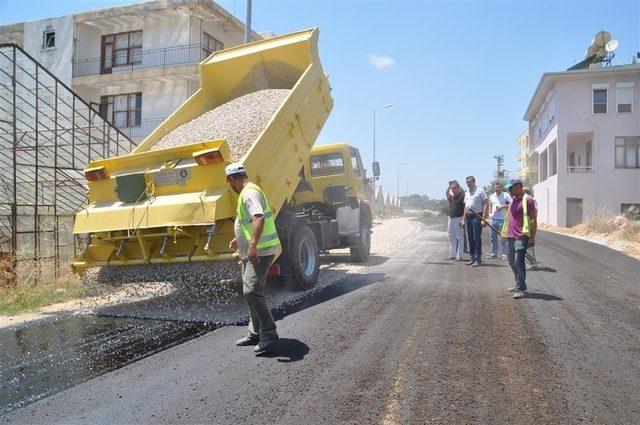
<point>517,253</point>
<point>474,233</point>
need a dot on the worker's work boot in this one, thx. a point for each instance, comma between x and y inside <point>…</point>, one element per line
<point>250,339</point>
<point>265,344</point>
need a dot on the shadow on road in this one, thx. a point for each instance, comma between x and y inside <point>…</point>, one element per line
<point>542,296</point>
<point>543,269</point>
<point>288,350</point>
<point>494,265</point>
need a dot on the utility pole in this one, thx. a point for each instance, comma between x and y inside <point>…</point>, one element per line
<point>247,25</point>
<point>500,173</point>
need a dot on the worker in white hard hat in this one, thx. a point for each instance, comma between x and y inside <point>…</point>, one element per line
<point>256,240</point>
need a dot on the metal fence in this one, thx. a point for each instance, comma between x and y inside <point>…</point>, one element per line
<point>131,61</point>
<point>48,134</point>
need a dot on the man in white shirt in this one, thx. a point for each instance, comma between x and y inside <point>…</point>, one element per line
<point>475,206</point>
<point>499,201</point>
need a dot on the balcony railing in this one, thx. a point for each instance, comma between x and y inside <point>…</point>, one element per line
<point>580,169</point>
<point>133,60</point>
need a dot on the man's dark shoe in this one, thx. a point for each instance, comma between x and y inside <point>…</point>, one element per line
<point>265,344</point>
<point>247,340</point>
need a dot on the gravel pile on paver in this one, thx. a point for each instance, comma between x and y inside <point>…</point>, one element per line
<point>239,122</point>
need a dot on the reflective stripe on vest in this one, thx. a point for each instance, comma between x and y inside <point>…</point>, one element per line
<point>269,235</point>
<point>526,220</point>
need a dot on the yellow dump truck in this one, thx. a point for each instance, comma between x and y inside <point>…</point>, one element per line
<point>168,202</point>
<point>333,195</point>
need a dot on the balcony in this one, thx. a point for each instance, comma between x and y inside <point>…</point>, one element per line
<point>143,59</point>
<point>580,169</point>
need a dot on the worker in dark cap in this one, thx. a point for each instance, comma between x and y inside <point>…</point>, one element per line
<point>519,229</point>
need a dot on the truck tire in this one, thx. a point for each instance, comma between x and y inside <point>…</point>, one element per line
<point>360,251</point>
<point>304,257</point>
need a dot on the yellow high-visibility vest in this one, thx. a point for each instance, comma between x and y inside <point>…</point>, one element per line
<point>269,235</point>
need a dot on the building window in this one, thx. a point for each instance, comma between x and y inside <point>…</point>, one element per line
<point>122,110</point>
<point>49,39</point>
<point>624,97</point>
<point>632,211</point>
<point>121,49</point>
<point>600,101</point>
<point>627,152</point>
<point>211,44</point>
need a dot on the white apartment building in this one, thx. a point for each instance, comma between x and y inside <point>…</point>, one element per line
<point>584,127</point>
<point>135,64</point>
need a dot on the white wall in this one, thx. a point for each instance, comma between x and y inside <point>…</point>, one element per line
<point>59,59</point>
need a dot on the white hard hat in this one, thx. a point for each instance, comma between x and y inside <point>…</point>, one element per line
<point>235,168</point>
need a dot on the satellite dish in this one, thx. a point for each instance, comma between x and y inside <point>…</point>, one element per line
<point>611,46</point>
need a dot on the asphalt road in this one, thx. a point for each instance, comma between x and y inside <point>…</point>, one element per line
<point>411,338</point>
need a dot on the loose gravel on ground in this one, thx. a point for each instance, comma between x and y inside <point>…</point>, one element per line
<point>239,122</point>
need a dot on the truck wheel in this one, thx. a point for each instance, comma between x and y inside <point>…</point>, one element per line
<point>304,255</point>
<point>360,252</point>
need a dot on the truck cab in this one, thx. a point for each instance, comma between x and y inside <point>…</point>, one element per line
<point>334,189</point>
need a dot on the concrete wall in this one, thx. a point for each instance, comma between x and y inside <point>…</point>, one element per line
<point>607,187</point>
<point>58,60</point>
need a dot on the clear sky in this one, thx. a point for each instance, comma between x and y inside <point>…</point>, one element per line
<point>460,74</point>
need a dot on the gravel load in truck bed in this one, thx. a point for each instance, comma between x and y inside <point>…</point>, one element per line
<point>239,122</point>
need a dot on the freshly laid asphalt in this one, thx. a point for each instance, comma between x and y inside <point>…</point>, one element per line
<point>412,338</point>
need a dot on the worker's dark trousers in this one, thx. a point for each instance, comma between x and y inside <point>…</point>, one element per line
<point>517,253</point>
<point>474,233</point>
<point>254,278</point>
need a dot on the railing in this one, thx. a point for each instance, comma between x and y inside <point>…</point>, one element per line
<point>132,60</point>
<point>580,169</point>
<point>142,130</point>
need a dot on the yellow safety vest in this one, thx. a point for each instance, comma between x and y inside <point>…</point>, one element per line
<point>269,235</point>
<point>526,220</point>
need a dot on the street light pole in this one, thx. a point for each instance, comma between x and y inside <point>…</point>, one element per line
<point>388,105</point>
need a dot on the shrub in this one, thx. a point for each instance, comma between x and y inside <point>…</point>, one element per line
<point>601,222</point>
<point>631,232</point>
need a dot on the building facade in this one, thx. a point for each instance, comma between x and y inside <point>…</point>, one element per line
<point>135,64</point>
<point>584,127</point>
